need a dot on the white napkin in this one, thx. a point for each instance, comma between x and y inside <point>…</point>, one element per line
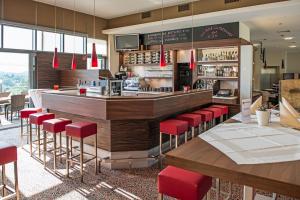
<point>290,108</point>
<point>287,118</point>
<point>256,105</point>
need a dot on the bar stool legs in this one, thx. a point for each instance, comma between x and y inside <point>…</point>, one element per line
<point>22,131</point>
<point>15,192</point>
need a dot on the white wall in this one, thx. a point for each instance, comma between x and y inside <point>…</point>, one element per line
<point>293,62</point>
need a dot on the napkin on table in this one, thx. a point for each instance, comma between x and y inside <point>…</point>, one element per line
<point>292,110</point>
<point>287,118</point>
<point>256,105</point>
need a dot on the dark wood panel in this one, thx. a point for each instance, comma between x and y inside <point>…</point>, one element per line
<point>70,78</point>
<point>46,75</point>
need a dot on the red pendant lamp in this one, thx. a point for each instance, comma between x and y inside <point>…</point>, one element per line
<point>94,52</point>
<point>94,56</point>
<point>162,59</point>
<point>55,62</point>
<point>192,60</point>
<point>74,62</point>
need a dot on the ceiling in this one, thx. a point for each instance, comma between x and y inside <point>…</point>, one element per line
<point>108,9</point>
<point>264,21</point>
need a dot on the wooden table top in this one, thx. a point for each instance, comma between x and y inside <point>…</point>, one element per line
<point>199,156</point>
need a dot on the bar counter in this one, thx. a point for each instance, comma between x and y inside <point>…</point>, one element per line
<point>126,124</point>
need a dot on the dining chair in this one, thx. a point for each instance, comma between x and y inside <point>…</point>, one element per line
<point>17,103</point>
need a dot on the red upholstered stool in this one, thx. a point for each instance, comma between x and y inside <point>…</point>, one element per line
<point>182,184</point>
<point>54,126</point>
<point>172,127</point>
<point>224,109</point>
<point>206,117</point>
<point>25,116</point>
<point>217,113</point>
<point>37,119</point>
<point>8,154</point>
<point>193,120</point>
<point>81,130</point>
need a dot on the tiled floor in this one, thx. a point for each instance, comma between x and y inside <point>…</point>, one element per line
<point>37,183</point>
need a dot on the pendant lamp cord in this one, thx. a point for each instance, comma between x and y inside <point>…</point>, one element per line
<point>94,19</point>
<point>55,20</point>
<point>162,21</point>
<point>192,25</point>
<point>74,25</point>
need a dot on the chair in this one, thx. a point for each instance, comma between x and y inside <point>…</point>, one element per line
<point>17,103</point>
<point>4,99</point>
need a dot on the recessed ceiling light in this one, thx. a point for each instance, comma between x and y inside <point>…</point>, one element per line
<point>288,38</point>
<point>292,46</point>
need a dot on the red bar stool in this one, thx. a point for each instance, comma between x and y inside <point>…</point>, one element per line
<point>224,110</point>
<point>172,127</point>
<point>206,117</point>
<point>183,184</point>
<point>194,121</point>
<point>25,116</point>
<point>38,119</point>
<point>54,126</point>
<point>217,113</point>
<point>81,130</point>
<point>8,154</point>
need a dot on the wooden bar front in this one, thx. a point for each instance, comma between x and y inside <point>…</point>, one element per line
<point>125,123</point>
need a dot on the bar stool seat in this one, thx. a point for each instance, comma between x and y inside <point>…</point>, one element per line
<point>8,154</point>
<point>183,184</point>
<point>81,130</point>
<point>193,120</point>
<point>54,126</point>
<point>24,113</point>
<point>206,117</point>
<point>27,111</point>
<point>217,113</point>
<point>224,110</point>
<point>38,119</point>
<point>172,127</point>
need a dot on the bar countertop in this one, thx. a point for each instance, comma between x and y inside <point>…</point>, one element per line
<point>125,95</point>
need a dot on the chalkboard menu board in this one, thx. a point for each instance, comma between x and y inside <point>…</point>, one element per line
<point>211,32</point>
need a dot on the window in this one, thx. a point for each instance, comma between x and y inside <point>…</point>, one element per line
<point>74,44</point>
<point>101,46</point>
<point>47,41</point>
<point>17,38</point>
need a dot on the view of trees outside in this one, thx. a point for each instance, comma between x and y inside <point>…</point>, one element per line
<point>14,72</point>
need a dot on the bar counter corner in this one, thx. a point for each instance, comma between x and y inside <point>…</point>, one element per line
<point>128,126</point>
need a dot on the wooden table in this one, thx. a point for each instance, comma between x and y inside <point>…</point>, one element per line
<point>199,156</point>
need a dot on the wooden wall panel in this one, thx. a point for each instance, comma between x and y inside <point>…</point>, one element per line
<point>70,78</point>
<point>200,7</point>
<point>24,11</point>
<point>46,75</point>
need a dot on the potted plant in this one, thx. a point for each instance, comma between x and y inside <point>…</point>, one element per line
<point>263,116</point>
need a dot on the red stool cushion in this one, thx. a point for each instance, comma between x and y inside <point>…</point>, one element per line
<point>174,126</point>
<point>217,112</point>
<point>56,125</point>
<point>206,116</point>
<point>38,118</point>
<point>8,153</point>
<point>193,119</point>
<point>183,184</point>
<point>224,109</point>
<point>81,129</point>
<point>27,111</point>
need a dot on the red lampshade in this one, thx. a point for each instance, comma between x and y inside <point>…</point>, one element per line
<point>94,56</point>
<point>55,62</point>
<point>74,62</point>
<point>162,59</point>
<point>192,60</point>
